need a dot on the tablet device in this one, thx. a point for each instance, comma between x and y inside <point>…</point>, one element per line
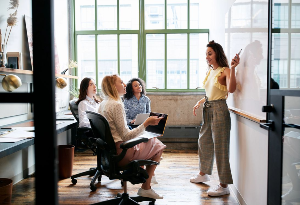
<point>140,118</point>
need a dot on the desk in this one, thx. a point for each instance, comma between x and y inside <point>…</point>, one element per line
<point>9,148</point>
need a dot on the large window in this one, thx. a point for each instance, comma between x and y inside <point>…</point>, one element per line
<point>285,43</point>
<point>156,40</point>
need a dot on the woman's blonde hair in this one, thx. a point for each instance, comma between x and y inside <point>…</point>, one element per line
<point>108,87</point>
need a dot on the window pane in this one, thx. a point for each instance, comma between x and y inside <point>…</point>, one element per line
<point>107,56</point>
<point>107,15</point>
<point>295,61</point>
<point>280,59</point>
<point>154,14</point>
<point>86,56</point>
<point>295,14</point>
<point>85,15</point>
<point>241,16</point>
<point>177,61</point>
<point>177,14</point>
<point>128,56</point>
<point>198,65</point>
<point>155,63</point>
<point>259,16</point>
<point>194,14</point>
<point>280,14</point>
<point>129,14</point>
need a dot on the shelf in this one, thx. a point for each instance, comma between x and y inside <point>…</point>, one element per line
<point>29,72</point>
<point>66,76</point>
<point>247,116</point>
<point>9,70</point>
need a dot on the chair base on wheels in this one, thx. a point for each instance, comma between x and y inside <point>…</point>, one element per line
<point>125,199</point>
<point>92,172</point>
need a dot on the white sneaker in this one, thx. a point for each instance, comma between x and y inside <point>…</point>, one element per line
<point>218,191</point>
<point>291,195</point>
<point>149,193</point>
<point>153,180</point>
<point>199,178</point>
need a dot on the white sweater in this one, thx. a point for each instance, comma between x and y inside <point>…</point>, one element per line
<point>114,113</point>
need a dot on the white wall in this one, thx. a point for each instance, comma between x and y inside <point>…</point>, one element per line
<point>249,160</point>
<point>212,15</point>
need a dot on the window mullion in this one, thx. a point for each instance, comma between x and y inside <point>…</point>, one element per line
<point>96,58</point>
<point>188,45</point>
<point>188,61</point>
<point>166,63</point>
<point>118,35</point>
<point>166,57</point>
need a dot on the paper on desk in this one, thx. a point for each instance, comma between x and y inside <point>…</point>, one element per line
<point>24,128</point>
<point>21,134</point>
<point>3,139</point>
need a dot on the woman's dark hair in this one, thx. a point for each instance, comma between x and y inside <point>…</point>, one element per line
<point>129,90</point>
<point>83,90</point>
<point>220,55</point>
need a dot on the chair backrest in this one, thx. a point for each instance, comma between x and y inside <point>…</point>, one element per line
<point>101,130</point>
<point>74,109</point>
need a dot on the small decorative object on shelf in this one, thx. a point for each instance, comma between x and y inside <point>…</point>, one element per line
<point>11,82</point>
<point>72,64</point>
<point>61,82</point>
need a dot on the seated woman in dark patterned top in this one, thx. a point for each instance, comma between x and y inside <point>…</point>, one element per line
<point>135,100</point>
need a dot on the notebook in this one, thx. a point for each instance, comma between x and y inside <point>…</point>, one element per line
<point>156,130</point>
<point>140,118</point>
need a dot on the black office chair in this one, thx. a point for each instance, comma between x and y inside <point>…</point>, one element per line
<point>89,142</point>
<point>132,172</point>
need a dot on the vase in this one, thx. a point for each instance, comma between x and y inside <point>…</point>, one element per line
<point>5,191</point>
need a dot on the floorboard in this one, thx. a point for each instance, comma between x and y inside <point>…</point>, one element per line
<point>172,175</point>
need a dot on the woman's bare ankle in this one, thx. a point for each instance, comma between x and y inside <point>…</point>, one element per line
<point>202,174</point>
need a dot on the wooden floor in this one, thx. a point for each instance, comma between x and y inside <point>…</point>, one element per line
<point>172,175</point>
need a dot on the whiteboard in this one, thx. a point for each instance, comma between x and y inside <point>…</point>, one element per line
<point>246,26</point>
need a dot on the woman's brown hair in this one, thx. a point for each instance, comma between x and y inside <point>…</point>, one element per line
<point>220,55</point>
<point>85,83</point>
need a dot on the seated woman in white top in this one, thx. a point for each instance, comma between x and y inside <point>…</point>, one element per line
<point>87,101</point>
<point>113,110</point>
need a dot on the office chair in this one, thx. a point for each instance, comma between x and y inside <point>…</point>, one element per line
<point>89,142</point>
<point>132,172</point>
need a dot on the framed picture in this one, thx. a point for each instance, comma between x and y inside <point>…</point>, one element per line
<point>13,60</point>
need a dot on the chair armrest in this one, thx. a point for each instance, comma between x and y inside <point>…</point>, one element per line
<point>100,143</point>
<point>131,143</point>
<point>83,129</point>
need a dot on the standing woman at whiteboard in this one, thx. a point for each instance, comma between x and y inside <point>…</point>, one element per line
<point>214,135</point>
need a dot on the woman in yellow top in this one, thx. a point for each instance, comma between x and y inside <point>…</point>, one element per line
<point>214,135</point>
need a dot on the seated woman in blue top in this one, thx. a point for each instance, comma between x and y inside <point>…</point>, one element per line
<point>135,100</point>
<point>87,102</point>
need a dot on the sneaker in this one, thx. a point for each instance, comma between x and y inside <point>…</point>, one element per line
<point>153,180</point>
<point>199,178</point>
<point>291,195</point>
<point>218,191</point>
<point>149,193</point>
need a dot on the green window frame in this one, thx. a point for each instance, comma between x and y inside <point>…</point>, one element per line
<point>142,33</point>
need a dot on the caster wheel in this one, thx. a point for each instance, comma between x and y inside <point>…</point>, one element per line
<point>119,195</point>
<point>74,181</point>
<point>93,187</point>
